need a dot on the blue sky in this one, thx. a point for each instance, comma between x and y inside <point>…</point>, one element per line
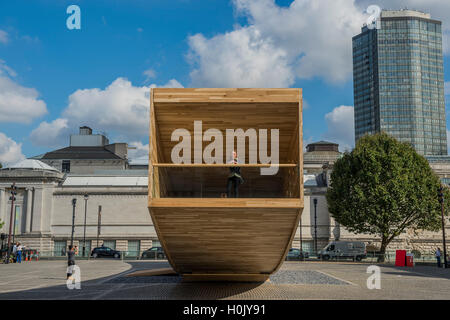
<point>53,79</point>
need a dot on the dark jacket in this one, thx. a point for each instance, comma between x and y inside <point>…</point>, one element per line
<point>71,257</point>
<point>235,172</point>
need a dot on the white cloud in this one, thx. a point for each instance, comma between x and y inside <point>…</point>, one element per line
<point>4,37</point>
<point>305,40</point>
<point>17,103</point>
<point>241,58</point>
<point>341,127</point>
<point>10,151</point>
<point>149,74</point>
<point>120,108</point>
<point>55,133</point>
<point>172,83</point>
<point>5,70</point>
<point>140,151</point>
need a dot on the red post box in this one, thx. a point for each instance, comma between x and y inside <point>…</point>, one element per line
<point>400,258</point>
<point>410,260</point>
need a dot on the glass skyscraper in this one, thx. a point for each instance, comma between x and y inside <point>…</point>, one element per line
<point>398,80</point>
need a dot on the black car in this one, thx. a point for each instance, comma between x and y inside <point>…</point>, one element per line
<point>296,254</point>
<point>153,253</point>
<point>105,252</point>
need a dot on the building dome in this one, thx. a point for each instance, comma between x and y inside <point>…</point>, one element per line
<point>31,164</point>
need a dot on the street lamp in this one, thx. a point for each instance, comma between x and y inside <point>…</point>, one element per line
<point>12,198</point>
<point>86,198</point>
<point>315,225</point>
<point>74,203</point>
<point>441,201</point>
<point>301,240</point>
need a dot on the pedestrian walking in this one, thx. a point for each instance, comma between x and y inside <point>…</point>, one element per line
<point>19,253</point>
<point>438,257</point>
<point>70,261</point>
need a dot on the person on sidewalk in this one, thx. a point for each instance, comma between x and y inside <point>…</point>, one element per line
<point>70,261</point>
<point>19,253</point>
<point>438,257</point>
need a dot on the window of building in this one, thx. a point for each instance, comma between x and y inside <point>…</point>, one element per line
<point>307,246</point>
<point>87,251</point>
<point>17,216</point>
<point>110,244</point>
<point>134,247</point>
<point>66,166</point>
<point>156,243</point>
<point>59,248</point>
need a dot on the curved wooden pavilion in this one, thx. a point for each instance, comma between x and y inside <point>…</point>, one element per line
<point>208,237</point>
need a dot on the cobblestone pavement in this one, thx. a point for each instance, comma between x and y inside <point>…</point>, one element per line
<point>105,279</point>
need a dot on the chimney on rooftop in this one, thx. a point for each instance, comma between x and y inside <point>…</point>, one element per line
<point>85,131</point>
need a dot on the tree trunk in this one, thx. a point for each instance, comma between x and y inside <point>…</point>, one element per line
<point>384,244</point>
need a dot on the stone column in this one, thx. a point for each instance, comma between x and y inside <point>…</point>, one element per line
<point>28,214</point>
<point>37,210</point>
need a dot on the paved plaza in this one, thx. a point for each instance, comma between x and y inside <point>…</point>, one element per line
<point>106,279</point>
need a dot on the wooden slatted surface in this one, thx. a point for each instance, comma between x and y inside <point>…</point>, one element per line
<point>225,240</point>
<point>221,116</point>
<point>233,95</point>
<point>232,239</point>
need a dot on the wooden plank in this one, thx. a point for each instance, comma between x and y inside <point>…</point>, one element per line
<point>300,142</point>
<point>229,95</point>
<point>226,203</point>
<point>220,165</point>
<point>151,151</point>
<point>152,272</point>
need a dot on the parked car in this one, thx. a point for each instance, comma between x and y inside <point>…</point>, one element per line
<point>344,249</point>
<point>296,254</point>
<point>105,252</point>
<point>153,253</point>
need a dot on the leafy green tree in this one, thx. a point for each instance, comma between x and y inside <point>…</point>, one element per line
<point>1,224</point>
<point>384,187</point>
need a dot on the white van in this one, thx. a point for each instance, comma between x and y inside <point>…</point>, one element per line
<point>344,249</point>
